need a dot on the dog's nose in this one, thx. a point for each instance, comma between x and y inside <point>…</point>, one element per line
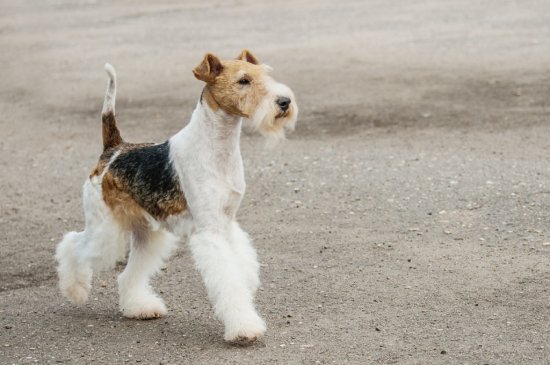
<point>283,103</point>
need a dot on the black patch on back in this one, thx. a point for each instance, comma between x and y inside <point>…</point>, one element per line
<point>149,177</point>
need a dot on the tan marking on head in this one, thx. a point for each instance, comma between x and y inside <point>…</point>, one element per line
<point>242,87</point>
<point>212,103</point>
<point>209,68</point>
<point>235,86</point>
<point>247,56</point>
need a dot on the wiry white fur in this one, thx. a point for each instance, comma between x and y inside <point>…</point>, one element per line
<point>264,119</point>
<point>98,247</point>
<point>212,176</point>
<point>110,94</point>
<point>246,255</point>
<point>207,159</point>
<point>137,299</point>
<point>74,278</point>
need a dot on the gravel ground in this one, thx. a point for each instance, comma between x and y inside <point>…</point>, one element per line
<point>406,221</point>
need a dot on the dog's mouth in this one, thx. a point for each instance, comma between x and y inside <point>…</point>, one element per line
<point>282,115</point>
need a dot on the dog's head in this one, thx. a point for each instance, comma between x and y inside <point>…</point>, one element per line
<point>244,88</point>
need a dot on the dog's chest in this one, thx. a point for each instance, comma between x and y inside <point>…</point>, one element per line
<point>233,193</point>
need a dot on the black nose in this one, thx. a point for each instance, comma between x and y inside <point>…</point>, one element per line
<point>283,103</point>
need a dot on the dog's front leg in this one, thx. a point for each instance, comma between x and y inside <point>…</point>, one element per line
<point>227,286</point>
<point>242,246</point>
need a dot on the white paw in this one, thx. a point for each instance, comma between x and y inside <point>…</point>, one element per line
<point>146,308</point>
<point>77,292</point>
<point>245,332</point>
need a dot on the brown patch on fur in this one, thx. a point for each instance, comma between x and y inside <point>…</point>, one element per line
<point>98,169</point>
<point>112,142</point>
<point>129,213</point>
<point>118,195</point>
<point>103,161</point>
<point>247,56</point>
<point>242,87</point>
<point>223,89</point>
<point>210,101</point>
<point>209,68</point>
<point>110,132</point>
<point>171,207</point>
<point>124,208</point>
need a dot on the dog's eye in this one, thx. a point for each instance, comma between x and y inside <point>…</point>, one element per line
<point>244,81</point>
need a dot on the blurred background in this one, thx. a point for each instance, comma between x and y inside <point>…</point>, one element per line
<point>406,220</point>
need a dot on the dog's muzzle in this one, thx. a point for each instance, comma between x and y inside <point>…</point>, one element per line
<point>283,103</point>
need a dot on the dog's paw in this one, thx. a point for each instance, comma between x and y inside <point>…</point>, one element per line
<point>77,292</point>
<point>245,333</point>
<point>151,308</point>
<point>243,341</point>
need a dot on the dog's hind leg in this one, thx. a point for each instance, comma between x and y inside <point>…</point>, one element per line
<point>75,276</point>
<point>98,247</point>
<point>149,248</point>
<point>80,253</point>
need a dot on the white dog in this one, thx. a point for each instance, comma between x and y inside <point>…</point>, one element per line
<point>152,195</point>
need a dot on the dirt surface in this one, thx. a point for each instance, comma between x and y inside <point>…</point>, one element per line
<point>406,221</point>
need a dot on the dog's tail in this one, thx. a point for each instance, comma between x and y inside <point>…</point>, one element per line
<point>111,134</point>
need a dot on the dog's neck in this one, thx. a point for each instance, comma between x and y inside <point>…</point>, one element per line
<point>216,129</point>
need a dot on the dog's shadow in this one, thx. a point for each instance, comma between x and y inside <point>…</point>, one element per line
<point>196,332</point>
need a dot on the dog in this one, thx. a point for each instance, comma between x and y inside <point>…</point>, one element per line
<point>145,198</point>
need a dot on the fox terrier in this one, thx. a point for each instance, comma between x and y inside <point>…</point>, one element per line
<point>144,198</point>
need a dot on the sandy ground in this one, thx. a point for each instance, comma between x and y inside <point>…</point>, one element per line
<point>404,222</point>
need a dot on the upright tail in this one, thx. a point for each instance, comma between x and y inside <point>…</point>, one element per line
<point>111,134</point>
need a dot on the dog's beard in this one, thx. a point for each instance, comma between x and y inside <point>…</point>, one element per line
<point>271,122</point>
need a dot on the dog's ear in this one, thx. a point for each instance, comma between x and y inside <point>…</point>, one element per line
<point>247,56</point>
<point>209,68</point>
